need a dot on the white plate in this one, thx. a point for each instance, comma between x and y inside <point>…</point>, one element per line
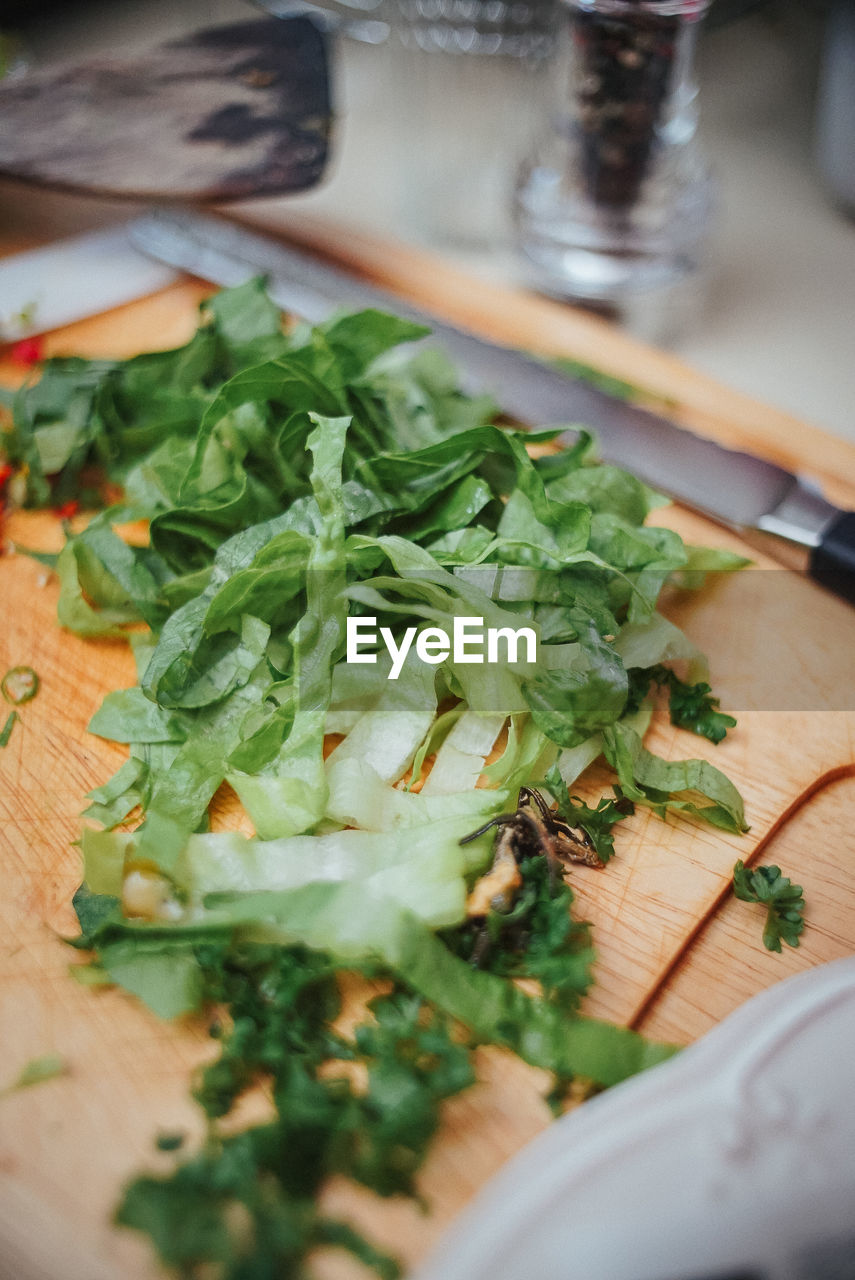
<point>733,1161</point>
<point>71,279</point>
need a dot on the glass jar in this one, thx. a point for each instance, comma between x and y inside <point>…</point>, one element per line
<point>612,209</point>
<point>468,93</point>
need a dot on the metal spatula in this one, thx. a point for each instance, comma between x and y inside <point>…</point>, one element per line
<point>223,113</point>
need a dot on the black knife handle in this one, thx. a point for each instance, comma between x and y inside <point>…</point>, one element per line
<point>833,562</point>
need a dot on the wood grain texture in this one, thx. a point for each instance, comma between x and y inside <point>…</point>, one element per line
<point>235,110</point>
<point>676,952</point>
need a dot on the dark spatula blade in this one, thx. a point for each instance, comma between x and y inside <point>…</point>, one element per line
<point>224,113</point>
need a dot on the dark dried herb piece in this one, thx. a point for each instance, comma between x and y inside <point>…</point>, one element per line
<point>535,829</point>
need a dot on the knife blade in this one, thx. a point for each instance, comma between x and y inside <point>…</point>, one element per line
<point>738,489</point>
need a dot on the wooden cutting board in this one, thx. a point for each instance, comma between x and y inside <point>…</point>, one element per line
<point>676,951</point>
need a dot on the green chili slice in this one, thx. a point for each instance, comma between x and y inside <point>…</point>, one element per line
<point>6,731</point>
<point>20,684</point>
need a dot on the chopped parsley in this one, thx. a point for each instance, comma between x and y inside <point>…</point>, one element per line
<point>169,1141</point>
<point>536,937</point>
<point>783,900</point>
<point>691,706</point>
<point>276,1004</point>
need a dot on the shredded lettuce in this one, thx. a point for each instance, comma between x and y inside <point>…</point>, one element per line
<point>358,797</point>
<point>649,779</point>
<point>293,480</point>
<point>288,795</point>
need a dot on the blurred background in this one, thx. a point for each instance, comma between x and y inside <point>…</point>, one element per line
<point>435,115</point>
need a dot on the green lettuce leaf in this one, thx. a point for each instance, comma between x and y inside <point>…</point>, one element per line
<point>650,780</point>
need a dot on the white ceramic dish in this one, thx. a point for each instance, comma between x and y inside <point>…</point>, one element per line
<point>71,279</point>
<point>733,1161</point>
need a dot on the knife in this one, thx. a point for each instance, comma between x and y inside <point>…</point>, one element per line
<point>737,489</point>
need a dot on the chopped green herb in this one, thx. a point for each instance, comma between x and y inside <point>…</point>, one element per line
<point>38,1071</point>
<point>19,684</point>
<point>169,1141</point>
<point>783,900</point>
<point>536,937</point>
<point>596,823</point>
<point>280,1002</point>
<point>692,706</point>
